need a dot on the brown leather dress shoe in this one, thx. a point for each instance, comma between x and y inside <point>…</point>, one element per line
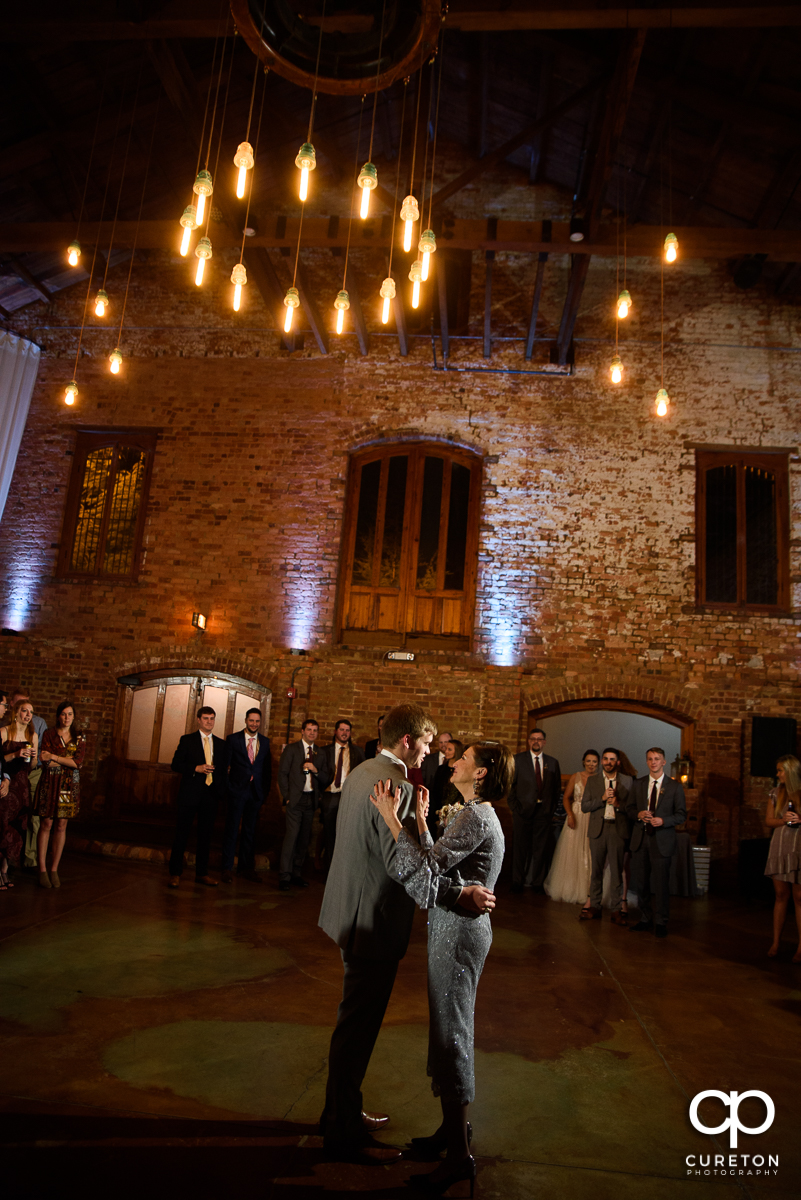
<point>590,914</point>
<point>174,881</point>
<point>620,918</point>
<point>373,1121</point>
<point>208,880</point>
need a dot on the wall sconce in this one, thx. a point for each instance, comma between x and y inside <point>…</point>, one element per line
<point>682,768</point>
<point>199,621</point>
<point>297,650</point>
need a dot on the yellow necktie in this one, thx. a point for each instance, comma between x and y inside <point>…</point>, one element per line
<point>209,760</point>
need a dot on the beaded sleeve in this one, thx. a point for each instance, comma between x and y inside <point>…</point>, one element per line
<point>422,868</point>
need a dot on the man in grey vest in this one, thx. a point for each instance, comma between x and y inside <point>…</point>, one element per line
<point>369,915</point>
<point>605,799</point>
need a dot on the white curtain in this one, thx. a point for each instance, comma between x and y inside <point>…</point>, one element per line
<point>19,363</point>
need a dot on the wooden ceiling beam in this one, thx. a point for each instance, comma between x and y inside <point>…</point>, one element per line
<point>201,19</point>
<point>20,269</point>
<point>514,143</point>
<point>263,273</point>
<point>357,316</point>
<point>309,306</point>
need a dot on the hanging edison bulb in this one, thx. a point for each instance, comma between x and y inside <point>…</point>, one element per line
<point>292,301</point>
<point>426,246</point>
<point>189,222</point>
<point>368,179</point>
<point>115,358</point>
<point>616,369</point>
<point>387,293</point>
<point>671,247</point>
<point>623,304</point>
<point>416,274</point>
<point>306,160</point>
<point>71,392</point>
<point>202,187</point>
<point>662,401</point>
<point>202,252</point>
<point>244,160</point>
<point>239,278</point>
<point>73,253</point>
<point>101,303</point>
<point>409,213</point>
<point>341,304</point>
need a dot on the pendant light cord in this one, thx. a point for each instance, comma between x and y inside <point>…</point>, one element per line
<point>139,217</point>
<point>416,122</point>
<point>255,152</point>
<point>217,95</point>
<point>436,121</point>
<point>124,170</point>
<point>92,151</point>
<point>397,177</point>
<point>316,76</point>
<point>222,128</point>
<point>211,84</point>
<point>377,73</point>
<point>353,191</point>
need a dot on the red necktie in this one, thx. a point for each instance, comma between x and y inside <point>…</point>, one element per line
<point>338,776</point>
<point>251,749</point>
<point>538,773</point>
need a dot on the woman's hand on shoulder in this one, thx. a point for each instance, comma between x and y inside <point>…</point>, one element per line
<point>385,800</point>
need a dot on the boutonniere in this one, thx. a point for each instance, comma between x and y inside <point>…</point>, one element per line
<point>448,813</point>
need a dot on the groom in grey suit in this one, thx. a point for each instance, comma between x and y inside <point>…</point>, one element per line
<point>369,915</point>
<point>606,798</point>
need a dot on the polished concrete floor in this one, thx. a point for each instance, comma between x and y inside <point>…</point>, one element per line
<point>164,1043</point>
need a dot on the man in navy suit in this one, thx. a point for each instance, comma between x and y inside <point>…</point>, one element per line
<point>302,779</point>
<point>533,798</point>
<point>656,802</point>
<point>201,761</point>
<point>249,776</point>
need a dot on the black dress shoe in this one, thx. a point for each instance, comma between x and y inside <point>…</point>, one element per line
<point>428,1149</point>
<point>283,886</point>
<point>642,927</point>
<point>299,881</point>
<point>438,1181</point>
<point>661,930</point>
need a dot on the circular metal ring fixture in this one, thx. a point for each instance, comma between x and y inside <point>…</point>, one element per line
<point>285,35</point>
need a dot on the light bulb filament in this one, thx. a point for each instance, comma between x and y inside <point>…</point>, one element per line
<point>622,309</point>
<point>304,182</point>
<point>340,319</point>
<point>407,236</point>
<point>115,367</point>
<point>365,206</point>
<point>185,241</point>
<point>670,253</point>
<point>661,408</point>
<point>240,182</point>
<point>237,296</point>
<point>73,261</point>
<point>201,263</point>
<point>100,308</point>
<point>385,311</point>
<point>416,294</point>
<point>201,208</point>
<point>288,318</point>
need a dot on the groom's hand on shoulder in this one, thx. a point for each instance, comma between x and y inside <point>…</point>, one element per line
<point>476,898</point>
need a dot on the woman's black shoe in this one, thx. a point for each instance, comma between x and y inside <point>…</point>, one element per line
<point>427,1149</point>
<point>466,1169</point>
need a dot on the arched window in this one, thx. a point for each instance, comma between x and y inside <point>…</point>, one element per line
<point>410,546</point>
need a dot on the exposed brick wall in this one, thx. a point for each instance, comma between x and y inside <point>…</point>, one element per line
<point>586,572</point>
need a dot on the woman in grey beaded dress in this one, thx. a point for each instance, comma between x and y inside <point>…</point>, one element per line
<point>784,855</point>
<point>470,851</point>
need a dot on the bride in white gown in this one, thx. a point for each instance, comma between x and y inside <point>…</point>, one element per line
<point>569,876</point>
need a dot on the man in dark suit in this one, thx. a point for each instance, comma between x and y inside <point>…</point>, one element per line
<point>369,915</point>
<point>657,804</point>
<point>249,775</point>
<point>605,798</point>
<point>371,747</point>
<point>302,779</point>
<point>340,758</point>
<point>533,799</point>
<point>435,760</point>
<point>200,759</point>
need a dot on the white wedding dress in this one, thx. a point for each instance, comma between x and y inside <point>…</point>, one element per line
<point>569,876</point>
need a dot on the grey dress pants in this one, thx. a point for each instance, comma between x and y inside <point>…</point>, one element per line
<point>609,845</point>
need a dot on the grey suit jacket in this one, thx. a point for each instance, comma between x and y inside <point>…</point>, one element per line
<point>365,909</point>
<point>671,807</point>
<point>592,802</point>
